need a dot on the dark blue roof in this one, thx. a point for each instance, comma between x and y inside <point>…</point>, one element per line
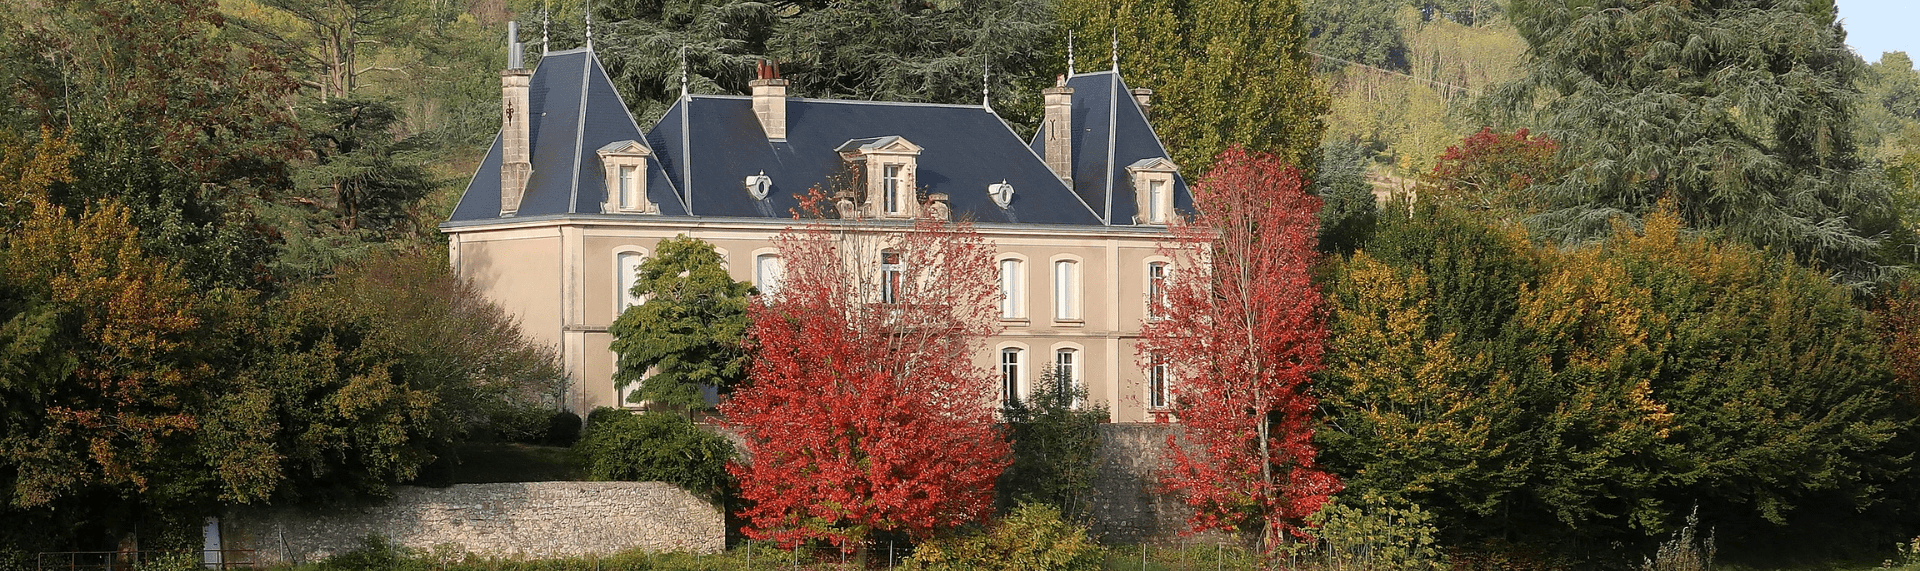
<point>576,111</point>
<point>965,148</point>
<point>1110,133</point>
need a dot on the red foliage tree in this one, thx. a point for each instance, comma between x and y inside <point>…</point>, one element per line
<point>864,409</point>
<point>1241,332</point>
<point>1491,169</point>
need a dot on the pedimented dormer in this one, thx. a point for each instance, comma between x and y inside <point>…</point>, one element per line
<point>1152,180</point>
<point>887,168</point>
<point>625,163</point>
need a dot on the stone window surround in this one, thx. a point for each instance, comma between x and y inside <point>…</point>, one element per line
<point>1145,172</point>
<point>626,154</point>
<point>873,160</point>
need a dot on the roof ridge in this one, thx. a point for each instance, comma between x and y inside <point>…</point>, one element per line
<point>580,136</point>
<point>849,101</point>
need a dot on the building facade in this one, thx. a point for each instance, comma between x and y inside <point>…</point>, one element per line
<point>573,195</point>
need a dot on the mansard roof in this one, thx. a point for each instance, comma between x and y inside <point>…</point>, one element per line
<point>1110,134</point>
<point>705,146</point>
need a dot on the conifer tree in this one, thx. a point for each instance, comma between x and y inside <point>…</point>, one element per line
<point>1738,111</point>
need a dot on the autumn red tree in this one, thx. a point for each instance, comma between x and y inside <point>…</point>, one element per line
<point>1241,332</point>
<point>1490,170</point>
<point>864,409</point>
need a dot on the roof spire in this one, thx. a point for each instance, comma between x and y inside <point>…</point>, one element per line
<point>589,10</point>
<point>985,93</point>
<point>543,27</point>
<point>1116,49</point>
<point>1069,53</point>
<point>683,72</point>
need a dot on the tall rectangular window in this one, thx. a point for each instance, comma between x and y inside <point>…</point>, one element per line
<point>890,189</point>
<point>891,272</point>
<point>1156,192</point>
<point>1009,376</point>
<point>627,270</point>
<point>1010,289</point>
<point>1157,393</point>
<point>1157,290</point>
<point>766,273</point>
<point>1066,369</point>
<point>1066,290</point>
<point>629,188</point>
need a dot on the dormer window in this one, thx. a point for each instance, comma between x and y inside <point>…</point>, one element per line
<point>626,178</point>
<point>1152,190</point>
<point>759,185</point>
<point>1001,193</point>
<point>887,166</point>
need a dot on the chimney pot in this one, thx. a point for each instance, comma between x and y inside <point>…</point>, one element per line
<point>516,164</point>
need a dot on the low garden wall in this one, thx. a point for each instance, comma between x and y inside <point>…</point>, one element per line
<point>529,519</point>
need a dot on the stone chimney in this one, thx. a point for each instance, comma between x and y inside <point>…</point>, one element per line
<point>515,155</point>
<point>1059,125</point>
<point>770,101</point>
<point>1144,97</point>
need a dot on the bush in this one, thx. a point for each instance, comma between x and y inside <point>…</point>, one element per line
<point>655,447</point>
<point>1032,538</point>
<point>1375,534</point>
<point>563,429</point>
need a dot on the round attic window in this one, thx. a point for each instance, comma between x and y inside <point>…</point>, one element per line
<point>759,185</point>
<point>1002,193</point>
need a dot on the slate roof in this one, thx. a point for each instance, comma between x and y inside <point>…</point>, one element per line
<point>965,149</point>
<point>1110,133</point>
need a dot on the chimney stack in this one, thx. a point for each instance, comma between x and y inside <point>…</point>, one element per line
<point>1059,125</point>
<point>515,157</point>
<point>770,101</point>
<point>1144,97</point>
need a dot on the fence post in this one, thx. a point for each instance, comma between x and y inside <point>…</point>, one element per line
<point>749,555</point>
<point>1143,556</point>
<point>889,555</point>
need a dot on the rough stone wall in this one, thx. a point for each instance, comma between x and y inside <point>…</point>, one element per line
<point>530,520</point>
<point>1125,507</point>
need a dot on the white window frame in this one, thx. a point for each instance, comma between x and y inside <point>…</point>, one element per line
<point>622,283</point>
<point>1013,382</point>
<point>1075,374</point>
<point>768,281</point>
<point>629,187</point>
<point>1154,287</point>
<point>1069,288</point>
<point>892,176</point>
<point>1159,383</point>
<point>1013,290</point>
<point>891,274</point>
<point>1156,201</point>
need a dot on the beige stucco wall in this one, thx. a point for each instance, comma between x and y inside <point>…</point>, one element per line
<point>525,267</point>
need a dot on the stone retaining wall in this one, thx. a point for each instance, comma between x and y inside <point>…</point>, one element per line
<point>1125,508</point>
<point>530,519</point>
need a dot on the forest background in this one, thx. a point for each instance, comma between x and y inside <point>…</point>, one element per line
<point>224,283</point>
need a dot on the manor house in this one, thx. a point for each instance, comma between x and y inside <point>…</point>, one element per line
<point>574,194</point>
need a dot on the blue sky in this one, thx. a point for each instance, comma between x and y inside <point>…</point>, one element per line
<point>1875,26</point>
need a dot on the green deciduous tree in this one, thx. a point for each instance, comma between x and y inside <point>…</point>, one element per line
<point>1224,72</point>
<point>688,332</point>
<point>1738,111</point>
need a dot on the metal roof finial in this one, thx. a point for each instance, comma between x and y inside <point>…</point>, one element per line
<point>1116,49</point>
<point>683,72</point>
<point>985,93</point>
<point>589,9</point>
<point>543,27</point>
<point>1069,53</point>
